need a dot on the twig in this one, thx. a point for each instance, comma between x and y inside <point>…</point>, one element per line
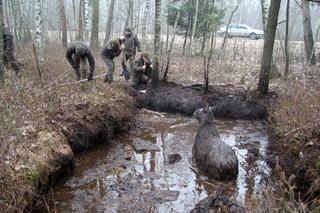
<point>37,62</point>
<point>152,112</point>
<point>76,82</point>
<point>296,129</point>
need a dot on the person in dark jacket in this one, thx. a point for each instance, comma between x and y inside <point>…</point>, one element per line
<point>8,50</point>
<point>77,53</point>
<point>142,69</point>
<point>111,50</point>
<point>131,44</point>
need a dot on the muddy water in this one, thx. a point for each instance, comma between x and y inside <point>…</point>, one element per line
<point>116,178</point>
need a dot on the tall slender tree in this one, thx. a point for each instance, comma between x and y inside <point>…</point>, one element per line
<point>39,33</point>
<point>110,21</point>
<point>94,44</point>
<point>144,22</point>
<point>63,20</point>
<point>157,29</point>
<point>286,41</point>
<point>1,45</point>
<point>268,46</point>
<point>307,31</point>
<point>80,21</point>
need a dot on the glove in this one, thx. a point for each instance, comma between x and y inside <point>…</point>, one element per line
<point>75,67</point>
<point>90,77</point>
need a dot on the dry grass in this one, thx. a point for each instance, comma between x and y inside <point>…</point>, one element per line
<point>28,108</point>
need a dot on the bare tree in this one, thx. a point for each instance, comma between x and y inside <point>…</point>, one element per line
<point>144,22</point>
<point>157,29</point>
<point>129,20</point>
<point>286,41</point>
<point>267,53</point>
<point>307,31</point>
<point>39,33</point>
<point>80,21</point>
<point>63,20</point>
<point>94,44</point>
<point>193,27</point>
<point>1,45</point>
<point>109,22</point>
<point>86,20</point>
<point>171,46</point>
<point>264,10</point>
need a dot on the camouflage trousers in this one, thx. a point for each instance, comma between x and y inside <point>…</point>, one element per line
<point>127,72</point>
<point>81,70</point>
<point>109,74</point>
<point>140,77</point>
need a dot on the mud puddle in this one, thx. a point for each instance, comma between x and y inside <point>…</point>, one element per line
<point>116,178</point>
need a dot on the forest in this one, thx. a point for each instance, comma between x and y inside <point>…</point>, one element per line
<point>160,106</point>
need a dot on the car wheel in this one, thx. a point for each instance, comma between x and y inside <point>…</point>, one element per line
<point>253,36</point>
<point>226,34</point>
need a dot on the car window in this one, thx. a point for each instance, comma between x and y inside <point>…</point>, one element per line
<point>242,27</point>
<point>232,26</point>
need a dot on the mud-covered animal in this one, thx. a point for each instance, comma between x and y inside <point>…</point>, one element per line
<point>210,154</point>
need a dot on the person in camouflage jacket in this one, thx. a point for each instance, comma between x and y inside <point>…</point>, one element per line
<point>111,50</point>
<point>77,53</point>
<point>131,44</point>
<point>142,69</point>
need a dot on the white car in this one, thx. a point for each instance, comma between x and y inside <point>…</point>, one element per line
<point>240,30</point>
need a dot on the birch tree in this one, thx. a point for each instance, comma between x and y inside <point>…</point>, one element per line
<point>86,20</point>
<point>110,21</point>
<point>286,41</point>
<point>268,46</point>
<point>157,29</point>
<point>80,21</point>
<point>63,20</point>
<point>94,44</point>
<point>307,31</point>
<point>39,33</point>
<point>264,10</point>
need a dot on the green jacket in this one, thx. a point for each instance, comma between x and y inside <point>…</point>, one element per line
<point>71,53</point>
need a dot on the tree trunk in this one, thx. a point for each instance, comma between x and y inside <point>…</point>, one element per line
<point>129,20</point>
<point>1,45</point>
<point>144,23</point>
<point>63,19</point>
<point>193,28</point>
<point>171,46</point>
<point>186,36</point>
<point>266,60</point>
<point>157,29</point>
<point>39,33</point>
<point>80,22</point>
<point>286,41</point>
<point>308,36</point>
<point>264,10</point>
<point>226,34</point>
<point>94,44</point>
<point>110,20</point>
<point>86,20</point>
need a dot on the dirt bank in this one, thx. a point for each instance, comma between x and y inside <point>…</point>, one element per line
<point>49,149</point>
<point>229,101</point>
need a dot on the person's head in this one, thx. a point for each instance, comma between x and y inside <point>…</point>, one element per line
<point>115,43</point>
<point>127,32</point>
<point>80,50</point>
<point>145,57</point>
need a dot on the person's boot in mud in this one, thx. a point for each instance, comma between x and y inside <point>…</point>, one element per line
<point>111,50</point>
<point>77,55</point>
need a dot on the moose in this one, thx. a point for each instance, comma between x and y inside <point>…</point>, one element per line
<point>209,152</point>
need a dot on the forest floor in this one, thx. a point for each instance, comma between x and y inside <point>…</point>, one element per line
<point>39,117</point>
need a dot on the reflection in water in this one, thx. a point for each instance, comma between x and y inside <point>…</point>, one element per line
<point>105,182</point>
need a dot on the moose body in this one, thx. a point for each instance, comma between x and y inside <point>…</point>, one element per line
<point>209,153</point>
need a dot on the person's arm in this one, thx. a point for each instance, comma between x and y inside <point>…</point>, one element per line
<point>137,42</point>
<point>91,64</point>
<point>69,53</point>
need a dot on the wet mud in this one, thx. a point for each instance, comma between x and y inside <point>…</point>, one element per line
<point>229,101</point>
<point>115,177</point>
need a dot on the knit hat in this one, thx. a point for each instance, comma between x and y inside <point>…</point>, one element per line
<point>115,43</point>
<point>80,51</point>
